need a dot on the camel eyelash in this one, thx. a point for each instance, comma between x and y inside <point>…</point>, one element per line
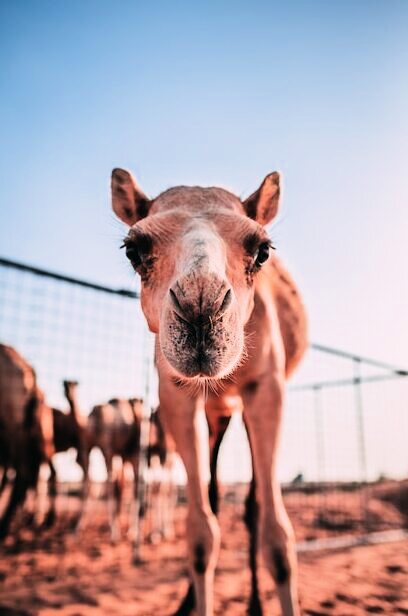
<point>254,241</point>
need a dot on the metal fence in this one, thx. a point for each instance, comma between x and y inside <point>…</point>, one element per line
<point>343,452</point>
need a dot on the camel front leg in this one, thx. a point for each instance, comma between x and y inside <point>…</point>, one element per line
<point>202,530</point>
<point>4,480</point>
<point>263,412</point>
<point>113,499</point>
<point>83,461</point>
<point>51,515</point>
<point>169,499</point>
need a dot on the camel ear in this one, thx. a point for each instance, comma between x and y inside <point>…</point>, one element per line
<point>129,203</point>
<point>263,204</point>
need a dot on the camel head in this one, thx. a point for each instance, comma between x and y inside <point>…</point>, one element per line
<point>198,252</point>
<point>70,389</point>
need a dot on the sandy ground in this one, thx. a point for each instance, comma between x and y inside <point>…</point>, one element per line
<point>57,573</point>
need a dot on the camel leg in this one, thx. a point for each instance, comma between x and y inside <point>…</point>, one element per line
<point>217,429</point>
<point>251,515</point>
<point>137,512</point>
<point>83,461</point>
<point>169,499</point>
<point>17,496</point>
<point>216,435</point>
<point>113,500</point>
<point>202,531</point>
<point>262,413</point>
<point>156,500</point>
<point>4,480</point>
<point>251,522</point>
<point>51,515</point>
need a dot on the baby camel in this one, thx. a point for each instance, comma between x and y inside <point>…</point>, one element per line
<point>228,321</point>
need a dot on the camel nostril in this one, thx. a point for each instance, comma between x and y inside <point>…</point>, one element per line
<point>178,308</point>
<point>225,302</point>
<point>175,302</point>
<point>200,312</point>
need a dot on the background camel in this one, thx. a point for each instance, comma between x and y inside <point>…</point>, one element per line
<point>70,432</point>
<point>115,428</point>
<point>26,429</point>
<point>229,324</point>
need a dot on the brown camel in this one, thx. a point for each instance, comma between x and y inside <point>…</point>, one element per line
<point>70,428</point>
<point>114,428</point>
<point>230,328</point>
<point>70,432</point>
<point>26,429</point>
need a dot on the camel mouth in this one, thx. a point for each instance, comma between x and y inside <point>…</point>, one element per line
<point>195,366</point>
<point>208,347</point>
<point>210,364</point>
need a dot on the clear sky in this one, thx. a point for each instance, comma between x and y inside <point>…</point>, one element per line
<point>217,93</point>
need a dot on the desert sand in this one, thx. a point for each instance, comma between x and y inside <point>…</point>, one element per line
<point>57,572</point>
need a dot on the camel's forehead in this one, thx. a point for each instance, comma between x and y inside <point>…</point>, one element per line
<point>196,199</point>
<point>180,208</point>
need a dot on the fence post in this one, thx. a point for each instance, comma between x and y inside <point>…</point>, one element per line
<point>141,496</point>
<point>319,428</point>
<point>320,452</point>
<point>361,437</point>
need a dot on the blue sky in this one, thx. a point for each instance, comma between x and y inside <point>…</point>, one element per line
<point>217,93</point>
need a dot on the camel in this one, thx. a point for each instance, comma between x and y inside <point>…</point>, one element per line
<point>70,431</point>
<point>26,429</point>
<point>70,428</point>
<point>230,329</point>
<point>114,428</point>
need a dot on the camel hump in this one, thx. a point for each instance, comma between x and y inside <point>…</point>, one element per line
<point>15,366</point>
<point>17,385</point>
<point>291,313</point>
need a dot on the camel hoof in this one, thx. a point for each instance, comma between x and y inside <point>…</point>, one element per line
<point>137,560</point>
<point>155,537</point>
<point>49,519</point>
<point>28,518</point>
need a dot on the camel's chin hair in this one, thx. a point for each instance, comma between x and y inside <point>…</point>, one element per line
<point>203,385</point>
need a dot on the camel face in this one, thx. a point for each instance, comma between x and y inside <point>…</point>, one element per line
<point>198,252</point>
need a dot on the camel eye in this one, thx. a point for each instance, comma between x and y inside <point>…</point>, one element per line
<point>133,255</point>
<point>262,254</point>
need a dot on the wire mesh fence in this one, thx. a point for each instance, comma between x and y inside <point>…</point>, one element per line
<point>73,330</point>
<point>343,451</point>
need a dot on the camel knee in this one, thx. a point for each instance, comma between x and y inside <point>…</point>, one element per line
<point>203,543</point>
<point>278,551</point>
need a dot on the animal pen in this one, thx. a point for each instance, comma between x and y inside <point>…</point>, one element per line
<point>343,460</point>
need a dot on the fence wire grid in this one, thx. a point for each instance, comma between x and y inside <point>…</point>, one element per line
<point>343,460</point>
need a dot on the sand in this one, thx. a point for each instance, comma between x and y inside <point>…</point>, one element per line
<point>56,572</point>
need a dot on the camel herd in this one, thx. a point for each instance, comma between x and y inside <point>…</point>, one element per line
<point>31,432</point>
